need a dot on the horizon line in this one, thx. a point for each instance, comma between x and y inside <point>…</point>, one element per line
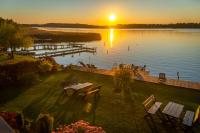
<point>111,25</point>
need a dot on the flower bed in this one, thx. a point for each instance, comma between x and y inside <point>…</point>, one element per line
<point>79,127</point>
<point>10,118</point>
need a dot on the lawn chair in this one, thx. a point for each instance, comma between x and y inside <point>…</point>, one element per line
<point>82,64</point>
<point>91,67</point>
<point>85,66</point>
<point>151,106</point>
<point>191,119</point>
<point>162,77</point>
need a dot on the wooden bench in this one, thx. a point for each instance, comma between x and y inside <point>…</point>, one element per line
<point>151,106</point>
<point>93,90</point>
<point>191,119</point>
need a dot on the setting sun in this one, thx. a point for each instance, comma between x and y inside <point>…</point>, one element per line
<point>112,17</point>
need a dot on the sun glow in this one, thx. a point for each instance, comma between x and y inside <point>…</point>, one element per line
<point>112,18</point>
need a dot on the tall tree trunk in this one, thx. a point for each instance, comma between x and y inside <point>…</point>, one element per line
<point>12,54</point>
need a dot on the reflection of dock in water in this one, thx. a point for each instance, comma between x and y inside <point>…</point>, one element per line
<point>57,50</point>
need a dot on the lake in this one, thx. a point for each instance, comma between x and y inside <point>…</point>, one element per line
<point>161,50</point>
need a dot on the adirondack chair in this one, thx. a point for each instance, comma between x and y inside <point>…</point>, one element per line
<point>151,106</point>
<point>191,119</point>
<point>162,77</point>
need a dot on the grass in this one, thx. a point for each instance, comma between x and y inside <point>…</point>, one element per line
<point>116,113</point>
<point>44,36</point>
<point>17,58</point>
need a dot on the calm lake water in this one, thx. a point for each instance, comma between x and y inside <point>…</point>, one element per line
<point>169,51</point>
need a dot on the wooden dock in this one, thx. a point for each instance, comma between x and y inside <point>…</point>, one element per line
<point>57,50</point>
<point>52,47</point>
<point>66,52</point>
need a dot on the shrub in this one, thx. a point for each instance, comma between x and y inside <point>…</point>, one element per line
<point>45,66</point>
<point>122,79</point>
<point>55,68</point>
<point>44,123</point>
<point>51,60</point>
<point>13,72</point>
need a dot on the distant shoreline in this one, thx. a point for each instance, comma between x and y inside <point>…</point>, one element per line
<point>120,26</point>
<point>149,29</point>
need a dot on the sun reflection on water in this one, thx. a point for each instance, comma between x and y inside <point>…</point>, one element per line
<point>111,35</point>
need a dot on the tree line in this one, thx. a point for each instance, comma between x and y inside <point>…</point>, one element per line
<point>119,26</point>
<point>174,26</point>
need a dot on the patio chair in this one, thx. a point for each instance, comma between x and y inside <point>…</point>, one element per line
<point>151,106</point>
<point>191,119</point>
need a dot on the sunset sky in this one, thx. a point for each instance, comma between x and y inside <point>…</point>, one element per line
<point>98,11</point>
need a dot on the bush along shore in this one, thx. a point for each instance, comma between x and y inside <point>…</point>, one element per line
<point>25,72</point>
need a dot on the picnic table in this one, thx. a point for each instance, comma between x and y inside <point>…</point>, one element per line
<point>173,109</point>
<point>78,86</point>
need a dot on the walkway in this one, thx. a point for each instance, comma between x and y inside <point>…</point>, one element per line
<point>144,76</point>
<point>173,82</point>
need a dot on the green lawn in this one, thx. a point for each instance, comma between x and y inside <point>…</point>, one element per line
<point>114,112</point>
<point>17,58</point>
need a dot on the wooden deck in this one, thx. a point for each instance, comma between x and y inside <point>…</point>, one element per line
<point>144,76</point>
